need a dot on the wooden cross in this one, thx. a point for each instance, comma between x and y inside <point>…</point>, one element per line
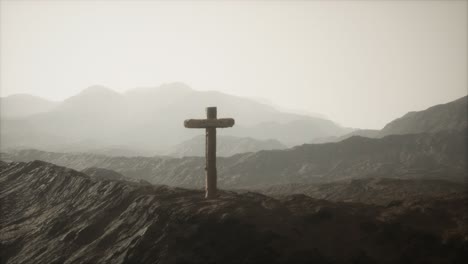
<point>210,124</point>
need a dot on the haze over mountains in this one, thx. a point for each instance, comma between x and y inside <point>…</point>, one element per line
<point>393,191</point>
<point>343,136</point>
<point>433,154</point>
<point>149,120</point>
<point>398,198</point>
<point>414,156</point>
<point>22,105</point>
<point>442,117</point>
<point>449,116</point>
<point>226,146</point>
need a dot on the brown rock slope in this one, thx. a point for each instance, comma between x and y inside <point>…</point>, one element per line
<point>52,214</point>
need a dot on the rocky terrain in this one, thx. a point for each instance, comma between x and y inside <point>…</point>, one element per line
<point>425,156</point>
<point>389,199</point>
<point>449,116</point>
<point>225,146</point>
<point>52,214</point>
<point>452,116</point>
<point>108,175</point>
<point>381,191</point>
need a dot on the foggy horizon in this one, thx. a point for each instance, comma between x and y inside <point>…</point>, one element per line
<point>361,65</point>
<point>256,99</point>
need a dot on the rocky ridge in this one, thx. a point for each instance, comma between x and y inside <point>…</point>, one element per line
<point>381,191</point>
<point>418,156</point>
<point>52,214</point>
<point>225,146</point>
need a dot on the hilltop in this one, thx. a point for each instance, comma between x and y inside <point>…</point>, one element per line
<point>82,219</point>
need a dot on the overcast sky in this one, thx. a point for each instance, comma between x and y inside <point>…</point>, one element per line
<point>360,63</point>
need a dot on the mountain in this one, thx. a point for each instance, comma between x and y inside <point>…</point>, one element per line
<point>52,214</point>
<point>225,146</point>
<point>22,105</point>
<point>369,133</point>
<point>381,191</point>
<point>291,133</point>
<point>414,156</point>
<point>116,151</point>
<point>449,116</point>
<point>151,120</point>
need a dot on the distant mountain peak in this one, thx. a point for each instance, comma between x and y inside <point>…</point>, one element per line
<point>98,93</point>
<point>24,95</point>
<point>448,116</point>
<point>165,88</point>
<point>98,90</point>
<point>92,99</point>
<point>21,105</point>
<point>150,118</point>
<point>180,86</point>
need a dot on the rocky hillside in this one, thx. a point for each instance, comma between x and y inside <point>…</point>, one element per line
<point>450,116</point>
<point>52,214</point>
<point>381,191</point>
<point>369,133</point>
<point>107,175</point>
<point>429,156</point>
<point>225,146</point>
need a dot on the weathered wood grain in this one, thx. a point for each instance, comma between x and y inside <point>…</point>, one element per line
<point>209,123</point>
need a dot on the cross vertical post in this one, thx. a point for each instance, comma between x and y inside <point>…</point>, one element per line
<point>210,124</point>
<point>211,177</point>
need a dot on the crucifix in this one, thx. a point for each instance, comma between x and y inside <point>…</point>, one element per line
<point>210,124</point>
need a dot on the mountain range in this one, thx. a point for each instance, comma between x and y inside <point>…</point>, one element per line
<point>23,105</point>
<point>442,117</point>
<point>149,119</point>
<point>225,146</point>
<point>449,116</point>
<point>431,156</point>
<point>397,195</point>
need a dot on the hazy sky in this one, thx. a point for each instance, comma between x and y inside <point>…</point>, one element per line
<point>360,63</point>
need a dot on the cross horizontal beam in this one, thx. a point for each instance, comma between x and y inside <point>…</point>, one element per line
<point>209,123</point>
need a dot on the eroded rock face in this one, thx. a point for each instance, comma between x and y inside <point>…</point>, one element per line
<point>53,214</point>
